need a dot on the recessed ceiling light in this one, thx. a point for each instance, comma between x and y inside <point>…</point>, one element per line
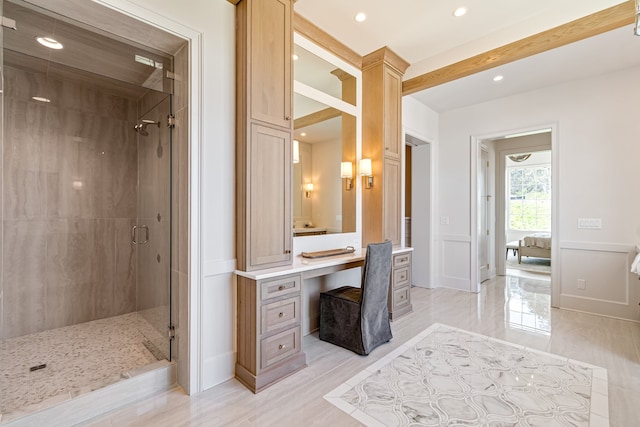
<point>303,134</point>
<point>49,42</point>
<point>361,17</point>
<point>40,99</point>
<point>459,12</point>
<point>295,57</point>
<point>498,78</point>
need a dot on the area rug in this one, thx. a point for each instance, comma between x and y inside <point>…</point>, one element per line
<point>450,377</point>
<point>531,264</point>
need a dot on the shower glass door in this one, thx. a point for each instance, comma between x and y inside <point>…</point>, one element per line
<point>151,234</point>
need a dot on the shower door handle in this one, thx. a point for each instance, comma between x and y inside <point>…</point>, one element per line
<point>134,234</point>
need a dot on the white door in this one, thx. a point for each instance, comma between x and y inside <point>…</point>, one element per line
<point>483,229</point>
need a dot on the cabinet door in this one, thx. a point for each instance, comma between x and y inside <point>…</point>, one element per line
<point>392,112</point>
<point>269,198</point>
<point>391,200</point>
<point>271,62</point>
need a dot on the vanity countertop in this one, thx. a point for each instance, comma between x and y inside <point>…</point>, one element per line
<point>308,229</point>
<point>301,265</point>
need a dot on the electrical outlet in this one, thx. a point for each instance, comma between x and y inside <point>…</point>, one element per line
<point>590,223</point>
<point>444,220</point>
<point>582,284</point>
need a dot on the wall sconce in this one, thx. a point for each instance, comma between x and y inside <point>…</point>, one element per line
<point>366,172</point>
<point>308,188</point>
<point>296,151</point>
<point>346,172</point>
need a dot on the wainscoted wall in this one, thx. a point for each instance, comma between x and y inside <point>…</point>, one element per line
<point>597,151</point>
<point>452,249</point>
<point>69,200</point>
<point>610,288</point>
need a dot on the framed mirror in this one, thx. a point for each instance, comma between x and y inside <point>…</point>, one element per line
<point>326,143</point>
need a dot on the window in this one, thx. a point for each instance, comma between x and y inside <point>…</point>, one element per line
<point>529,204</point>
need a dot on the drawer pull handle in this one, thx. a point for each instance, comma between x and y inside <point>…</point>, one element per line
<point>281,346</point>
<point>401,296</point>
<point>287,118</point>
<point>281,314</point>
<point>281,288</point>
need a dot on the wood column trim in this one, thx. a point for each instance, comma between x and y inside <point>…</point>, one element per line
<point>386,55</point>
<point>588,26</point>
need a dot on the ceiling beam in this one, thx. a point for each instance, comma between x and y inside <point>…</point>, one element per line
<point>317,117</point>
<point>588,26</point>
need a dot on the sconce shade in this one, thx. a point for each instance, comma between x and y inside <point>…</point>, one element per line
<point>365,167</point>
<point>346,170</point>
<point>296,151</point>
<point>308,188</point>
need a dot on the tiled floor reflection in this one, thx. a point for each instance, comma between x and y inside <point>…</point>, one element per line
<point>447,376</point>
<point>528,305</point>
<point>78,358</point>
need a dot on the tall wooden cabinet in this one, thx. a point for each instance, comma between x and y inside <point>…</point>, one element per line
<point>382,72</point>
<point>264,235</point>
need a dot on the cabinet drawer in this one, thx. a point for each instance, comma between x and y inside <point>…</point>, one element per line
<point>401,297</point>
<point>279,287</point>
<point>401,277</point>
<point>279,346</point>
<point>281,314</point>
<point>401,260</point>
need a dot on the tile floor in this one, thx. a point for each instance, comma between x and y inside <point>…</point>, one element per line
<point>512,309</point>
<point>78,358</point>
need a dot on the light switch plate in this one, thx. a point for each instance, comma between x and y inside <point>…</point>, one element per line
<point>590,223</point>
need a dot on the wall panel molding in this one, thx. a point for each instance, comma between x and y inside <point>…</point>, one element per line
<point>216,267</point>
<point>603,271</point>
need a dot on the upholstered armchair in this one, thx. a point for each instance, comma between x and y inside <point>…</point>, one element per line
<point>358,318</point>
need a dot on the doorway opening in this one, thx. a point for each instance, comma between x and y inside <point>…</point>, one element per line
<point>521,174</point>
<point>417,207</point>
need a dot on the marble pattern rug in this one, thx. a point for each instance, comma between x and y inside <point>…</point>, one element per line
<point>450,377</point>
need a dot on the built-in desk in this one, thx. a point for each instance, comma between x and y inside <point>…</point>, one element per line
<point>269,328</point>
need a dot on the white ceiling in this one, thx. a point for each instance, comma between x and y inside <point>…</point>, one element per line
<point>425,33</point>
<point>591,57</point>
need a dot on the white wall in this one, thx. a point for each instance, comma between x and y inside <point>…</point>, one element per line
<point>598,155</point>
<point>421,122</point>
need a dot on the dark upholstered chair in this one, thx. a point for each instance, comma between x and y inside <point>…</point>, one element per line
<point>358,318</point>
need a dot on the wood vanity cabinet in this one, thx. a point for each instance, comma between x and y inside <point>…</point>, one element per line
<point>400,286</point>
<point>264,88</point>
<point>269,316</point>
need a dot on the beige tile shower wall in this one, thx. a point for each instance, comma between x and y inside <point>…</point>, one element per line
<point>154,211</point>
<point>69,200</point>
